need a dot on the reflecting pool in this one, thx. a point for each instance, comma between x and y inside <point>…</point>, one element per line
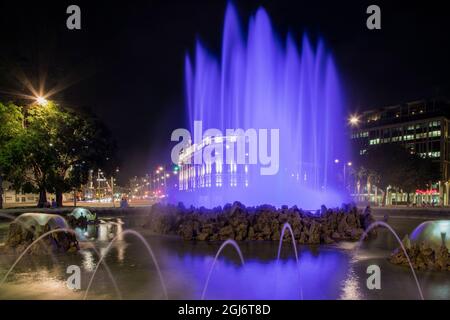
<point>325,272</point>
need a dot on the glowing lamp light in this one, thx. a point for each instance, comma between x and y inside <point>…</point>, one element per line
<point>41,101</point>
<point>353,120</point>
<point>336,161</point>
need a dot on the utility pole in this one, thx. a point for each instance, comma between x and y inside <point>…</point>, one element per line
<point>1,192</point>
<point>112,191</point>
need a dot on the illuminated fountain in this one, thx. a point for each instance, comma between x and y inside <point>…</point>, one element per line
<point>81,217</point>
<point>434,233</point>
<point>264,82</point>
<point>38,221</point>
<point>78,213</point>
<point>28,227</point>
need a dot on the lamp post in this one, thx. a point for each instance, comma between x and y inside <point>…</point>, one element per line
<point>1,191</point>
<point>348,164</point>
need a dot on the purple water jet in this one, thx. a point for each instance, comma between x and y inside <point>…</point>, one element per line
<point>263,82</point>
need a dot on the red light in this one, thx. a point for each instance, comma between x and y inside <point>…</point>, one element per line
<point>427,192</point>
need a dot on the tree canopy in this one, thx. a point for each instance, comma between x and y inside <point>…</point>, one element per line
<point>52,148</point>
<point>395,166</point>
<point>11,119</point>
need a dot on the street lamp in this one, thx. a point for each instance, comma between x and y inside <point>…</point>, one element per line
<point>348,164</point>
<point>354,120</point>
<point>41,101</point>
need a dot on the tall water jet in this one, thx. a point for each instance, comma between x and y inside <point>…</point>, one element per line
<point>262,82</point>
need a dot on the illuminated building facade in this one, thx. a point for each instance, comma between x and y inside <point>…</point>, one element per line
<point>422,127</point>
<point>211,173</point>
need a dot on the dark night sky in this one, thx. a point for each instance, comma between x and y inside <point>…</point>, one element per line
<point>127,61</point>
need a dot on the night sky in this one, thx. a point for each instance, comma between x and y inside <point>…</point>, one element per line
<point>126,63</point>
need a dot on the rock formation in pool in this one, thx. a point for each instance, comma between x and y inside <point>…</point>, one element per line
<point>427,248</point>
<point>265,222</point>
<point>27,227</point>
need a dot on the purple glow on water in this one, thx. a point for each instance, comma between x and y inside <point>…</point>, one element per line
<point>322,277</point>
<point>264,82</point>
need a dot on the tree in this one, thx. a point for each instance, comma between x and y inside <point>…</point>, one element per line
<point>392,165</point>
<point>11,120</point>
<point>58,148</point>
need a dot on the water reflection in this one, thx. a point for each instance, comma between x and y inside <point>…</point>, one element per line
<point>103,233</point>
<point>88,260</point>
<point>351,290</point>
<point>325,272</point>
<point>320,276</point>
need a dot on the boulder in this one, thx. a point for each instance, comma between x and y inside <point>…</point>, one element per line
<point>442,258</point>
<point>356,234</point>
<point>251,234</point>
<point>203,236</point>
<point>186,231</point>
<point>406,242</point>
<point>226,233</point>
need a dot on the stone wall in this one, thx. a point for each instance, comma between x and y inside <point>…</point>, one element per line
<point>259,223</point>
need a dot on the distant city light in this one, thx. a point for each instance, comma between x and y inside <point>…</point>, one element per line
<point>336,161</point>
<point>349,164</point>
